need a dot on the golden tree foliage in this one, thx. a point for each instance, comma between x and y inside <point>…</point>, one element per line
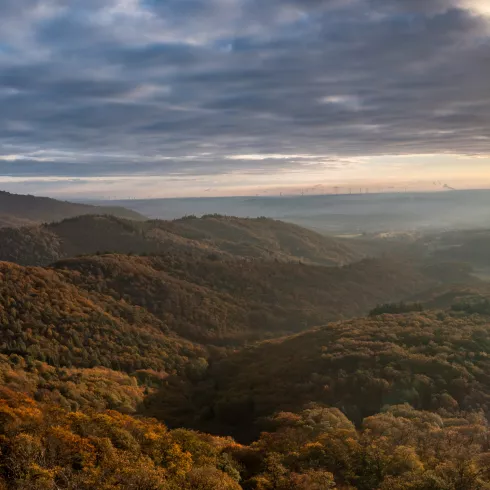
<point>45,447</point>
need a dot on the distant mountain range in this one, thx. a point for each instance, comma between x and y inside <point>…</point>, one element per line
<point>21,210</point>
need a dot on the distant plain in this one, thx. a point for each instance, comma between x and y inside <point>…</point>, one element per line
<point>341,214</point>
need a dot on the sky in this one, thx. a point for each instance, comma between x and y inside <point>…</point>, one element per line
<point>174,98</point>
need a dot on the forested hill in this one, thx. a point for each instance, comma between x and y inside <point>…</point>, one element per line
<point>206,300</point>
<point>249,238</point>
<point>113,321</point>
<point>99,331</point>
<point>431,360</point>
<point>223,300</point>
<point>207,324</point>
<point>167,336</point>
<point>21,210</point>
<point>46,318</point>
<point>263,238</point>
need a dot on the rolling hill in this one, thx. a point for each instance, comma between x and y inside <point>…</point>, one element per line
<point>21,210</point>
<point>262,238</point>
<point>430,360</point>
<point>46,318</point>
<point>93,344</point>
<point>471,246</point>
<point>127,312</point>
<point>246,238</point>
<point>222,300</point>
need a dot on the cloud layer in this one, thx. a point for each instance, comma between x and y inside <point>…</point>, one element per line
<point>203,87</point>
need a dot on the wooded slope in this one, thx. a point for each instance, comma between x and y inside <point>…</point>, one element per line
<point>247,238</point>
<point>19,209</point>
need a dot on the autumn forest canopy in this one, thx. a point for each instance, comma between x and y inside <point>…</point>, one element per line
<point>230,353</point>
<point>244,245</point>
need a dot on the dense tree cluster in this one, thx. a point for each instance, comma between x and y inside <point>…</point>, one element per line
<point>398,449</point>
<point>75,388</point>
<point>229,301</point>
<point>431,360</point>
<point>45,447</point>
<point>394,308</point>
<point>473,304</point>
<point>29,246</point>
<point>43,317</point>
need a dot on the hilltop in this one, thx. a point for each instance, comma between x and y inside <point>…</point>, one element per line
<point>263,238</point>
<point>22,210</point>
<point>237,237</point>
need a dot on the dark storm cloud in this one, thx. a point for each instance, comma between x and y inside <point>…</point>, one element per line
<point>131,81</point>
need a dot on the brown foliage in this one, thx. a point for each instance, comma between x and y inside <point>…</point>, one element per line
<point>431,360</point>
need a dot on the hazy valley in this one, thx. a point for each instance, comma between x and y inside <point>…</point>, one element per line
<point>342,214</point>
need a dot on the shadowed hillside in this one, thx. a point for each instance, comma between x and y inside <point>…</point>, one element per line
<point>223,300</point>
<point>21,210</point>
<point>430,360</point>
<point>253,239</point>
<point>471,246</point>
<point>262,237</point>
<point>128,312</point>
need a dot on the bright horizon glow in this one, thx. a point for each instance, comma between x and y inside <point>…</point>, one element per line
<point>129,98</point>
<point>398,173</point>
